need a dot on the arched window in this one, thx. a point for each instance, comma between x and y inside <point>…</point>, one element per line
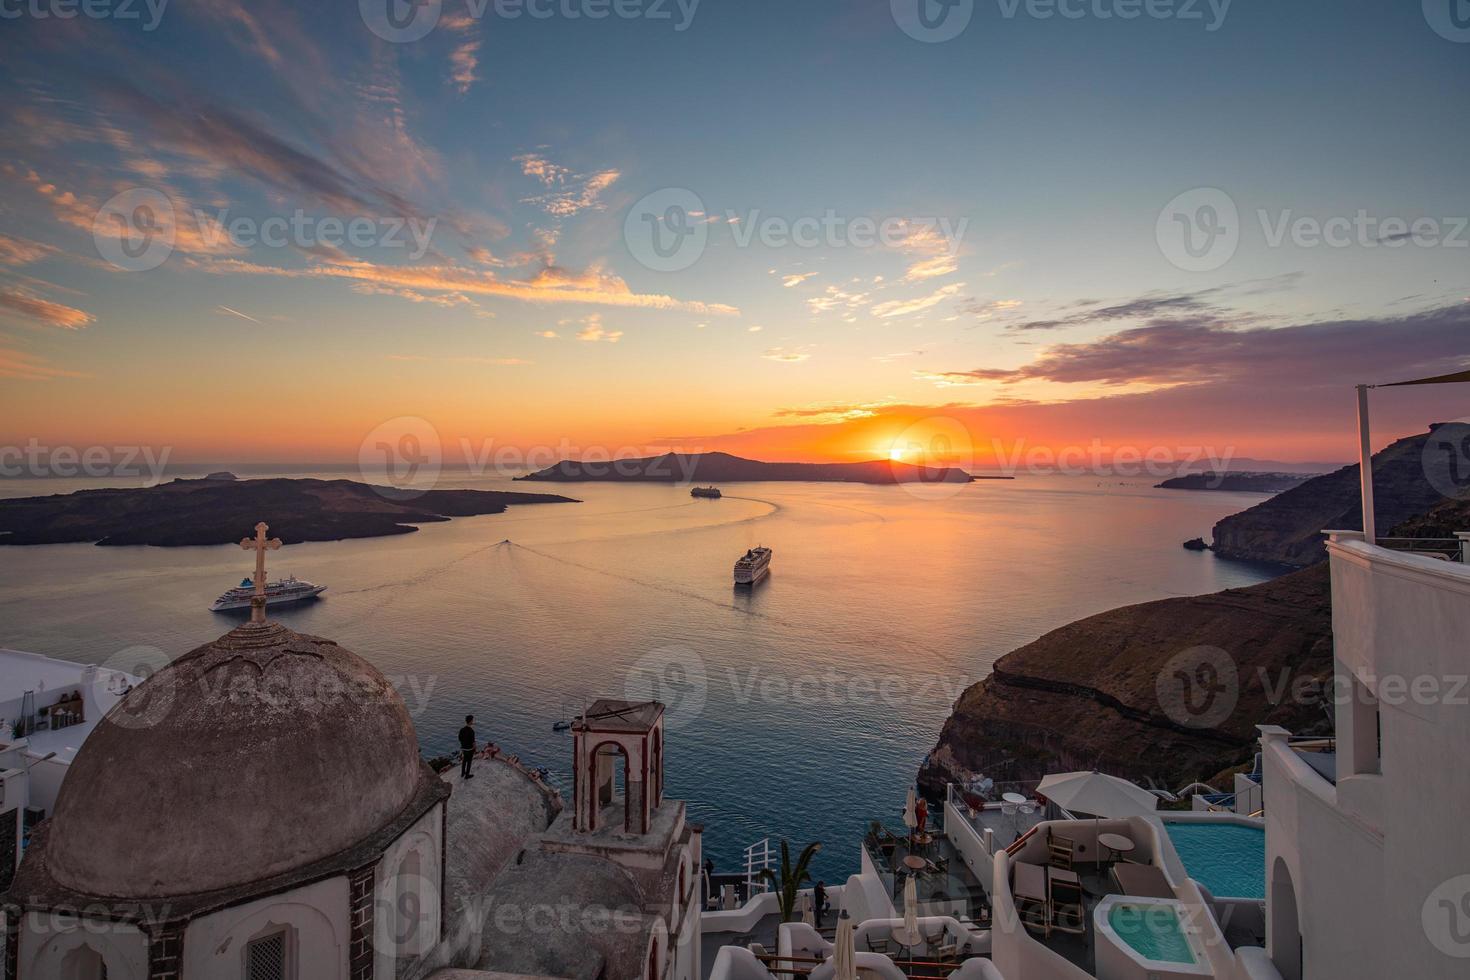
<point>83,963</point>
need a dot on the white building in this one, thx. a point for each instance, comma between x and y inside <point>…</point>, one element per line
<point>259,809</point>
<point>1358,866</point>
<point>1368,855</point>
<point>48,707</point>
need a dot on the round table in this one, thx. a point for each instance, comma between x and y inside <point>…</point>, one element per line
<point>1015,798</point>
<point>1116,843</point>
<point>906,940</point>
<point>915,863</point>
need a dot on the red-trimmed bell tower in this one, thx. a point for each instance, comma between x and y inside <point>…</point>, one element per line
<point>611,734</point>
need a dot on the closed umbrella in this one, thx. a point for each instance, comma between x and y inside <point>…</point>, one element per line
<point>911,908</point>
<point>808,911</point>
<point>911,812</point>
<point>844,958</point>
<point>1098,794</point>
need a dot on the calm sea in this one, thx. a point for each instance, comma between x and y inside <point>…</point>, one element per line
<point>800,710</point>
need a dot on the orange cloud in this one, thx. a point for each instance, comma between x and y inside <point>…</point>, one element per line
<point>43,310</point>
<point>20,366</point>
<point>21,251</point>
<point>550,285</point>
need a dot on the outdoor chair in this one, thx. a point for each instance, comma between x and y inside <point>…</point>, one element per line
<point>1060,851</point>
<point>877,946</point>
<point>1068,909</point>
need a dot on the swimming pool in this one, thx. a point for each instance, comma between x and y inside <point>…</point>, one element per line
<point>1153,931</point>
<point>1227,858</point>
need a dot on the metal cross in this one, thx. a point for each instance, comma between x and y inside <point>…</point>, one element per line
<point>260,545</point>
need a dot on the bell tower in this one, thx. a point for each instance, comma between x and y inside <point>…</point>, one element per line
<point>617,741</point>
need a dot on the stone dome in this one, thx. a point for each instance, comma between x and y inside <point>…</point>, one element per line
<point>252,756</point>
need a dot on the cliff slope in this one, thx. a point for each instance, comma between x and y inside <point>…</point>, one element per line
<point>1409,477</point>
<point>1161,693</point>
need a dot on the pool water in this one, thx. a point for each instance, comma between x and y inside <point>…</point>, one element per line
<point>1154,932</point>
<point>1227,858</point>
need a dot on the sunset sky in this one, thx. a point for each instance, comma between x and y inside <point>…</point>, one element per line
<point>1026,175</point>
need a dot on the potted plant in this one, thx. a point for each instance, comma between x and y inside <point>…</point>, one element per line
<point>787,884</point>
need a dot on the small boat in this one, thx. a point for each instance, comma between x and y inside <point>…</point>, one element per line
<point>753,566</point>
<point>277,593</point>
<point>711,492</point>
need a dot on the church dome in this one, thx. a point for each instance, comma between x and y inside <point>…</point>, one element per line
<point>257,754</point>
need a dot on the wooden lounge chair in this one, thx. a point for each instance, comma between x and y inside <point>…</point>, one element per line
<point>1068,907</point>
<point>1142,881</point>
<point>1029,890</point>
<point>1060,851</point>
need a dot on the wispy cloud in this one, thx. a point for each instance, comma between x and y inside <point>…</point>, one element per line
<point>789,355</point>
<point>908,307</point>
<point>20,366</point>
<point>593,331</point>
<point>568,193</point>
<point>30,308</point>
<point>796,279</point>
<point>21,251</point>
<point>550,285</point>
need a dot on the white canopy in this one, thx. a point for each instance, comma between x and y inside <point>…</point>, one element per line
<point>1097,794</point>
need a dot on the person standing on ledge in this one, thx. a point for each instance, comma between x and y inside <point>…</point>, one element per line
<point>467,746</point>
<point>819,903</point>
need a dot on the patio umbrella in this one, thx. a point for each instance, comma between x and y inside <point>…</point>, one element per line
<point>808,911</point>
<point>911,906</point>
<point>911,812</point>
<point>844,958</point>
<point>1098,794</point>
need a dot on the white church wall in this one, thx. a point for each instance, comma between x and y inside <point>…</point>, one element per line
<point>51,945</point>
<point>408,891</point>
<point>314,917</point>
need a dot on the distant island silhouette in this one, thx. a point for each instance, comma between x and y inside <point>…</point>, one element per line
<point>725,468</point>
<point>220,510</point>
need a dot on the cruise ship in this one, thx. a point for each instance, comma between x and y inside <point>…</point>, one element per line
<point>712,492</point>
<point>280,593</point>
<point>753,566</point>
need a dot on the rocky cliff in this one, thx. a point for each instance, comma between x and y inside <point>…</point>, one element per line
<point>1409,477</point>
<point>1162,693</point>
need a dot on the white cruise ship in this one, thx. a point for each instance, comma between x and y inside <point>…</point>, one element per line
<point>753,566</point>
<point>280,593</point>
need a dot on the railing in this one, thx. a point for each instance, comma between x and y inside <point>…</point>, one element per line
<point>758,857</point>
<point>1447,549</point>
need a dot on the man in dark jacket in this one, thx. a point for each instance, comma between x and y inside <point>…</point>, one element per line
<point>467,746</point>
